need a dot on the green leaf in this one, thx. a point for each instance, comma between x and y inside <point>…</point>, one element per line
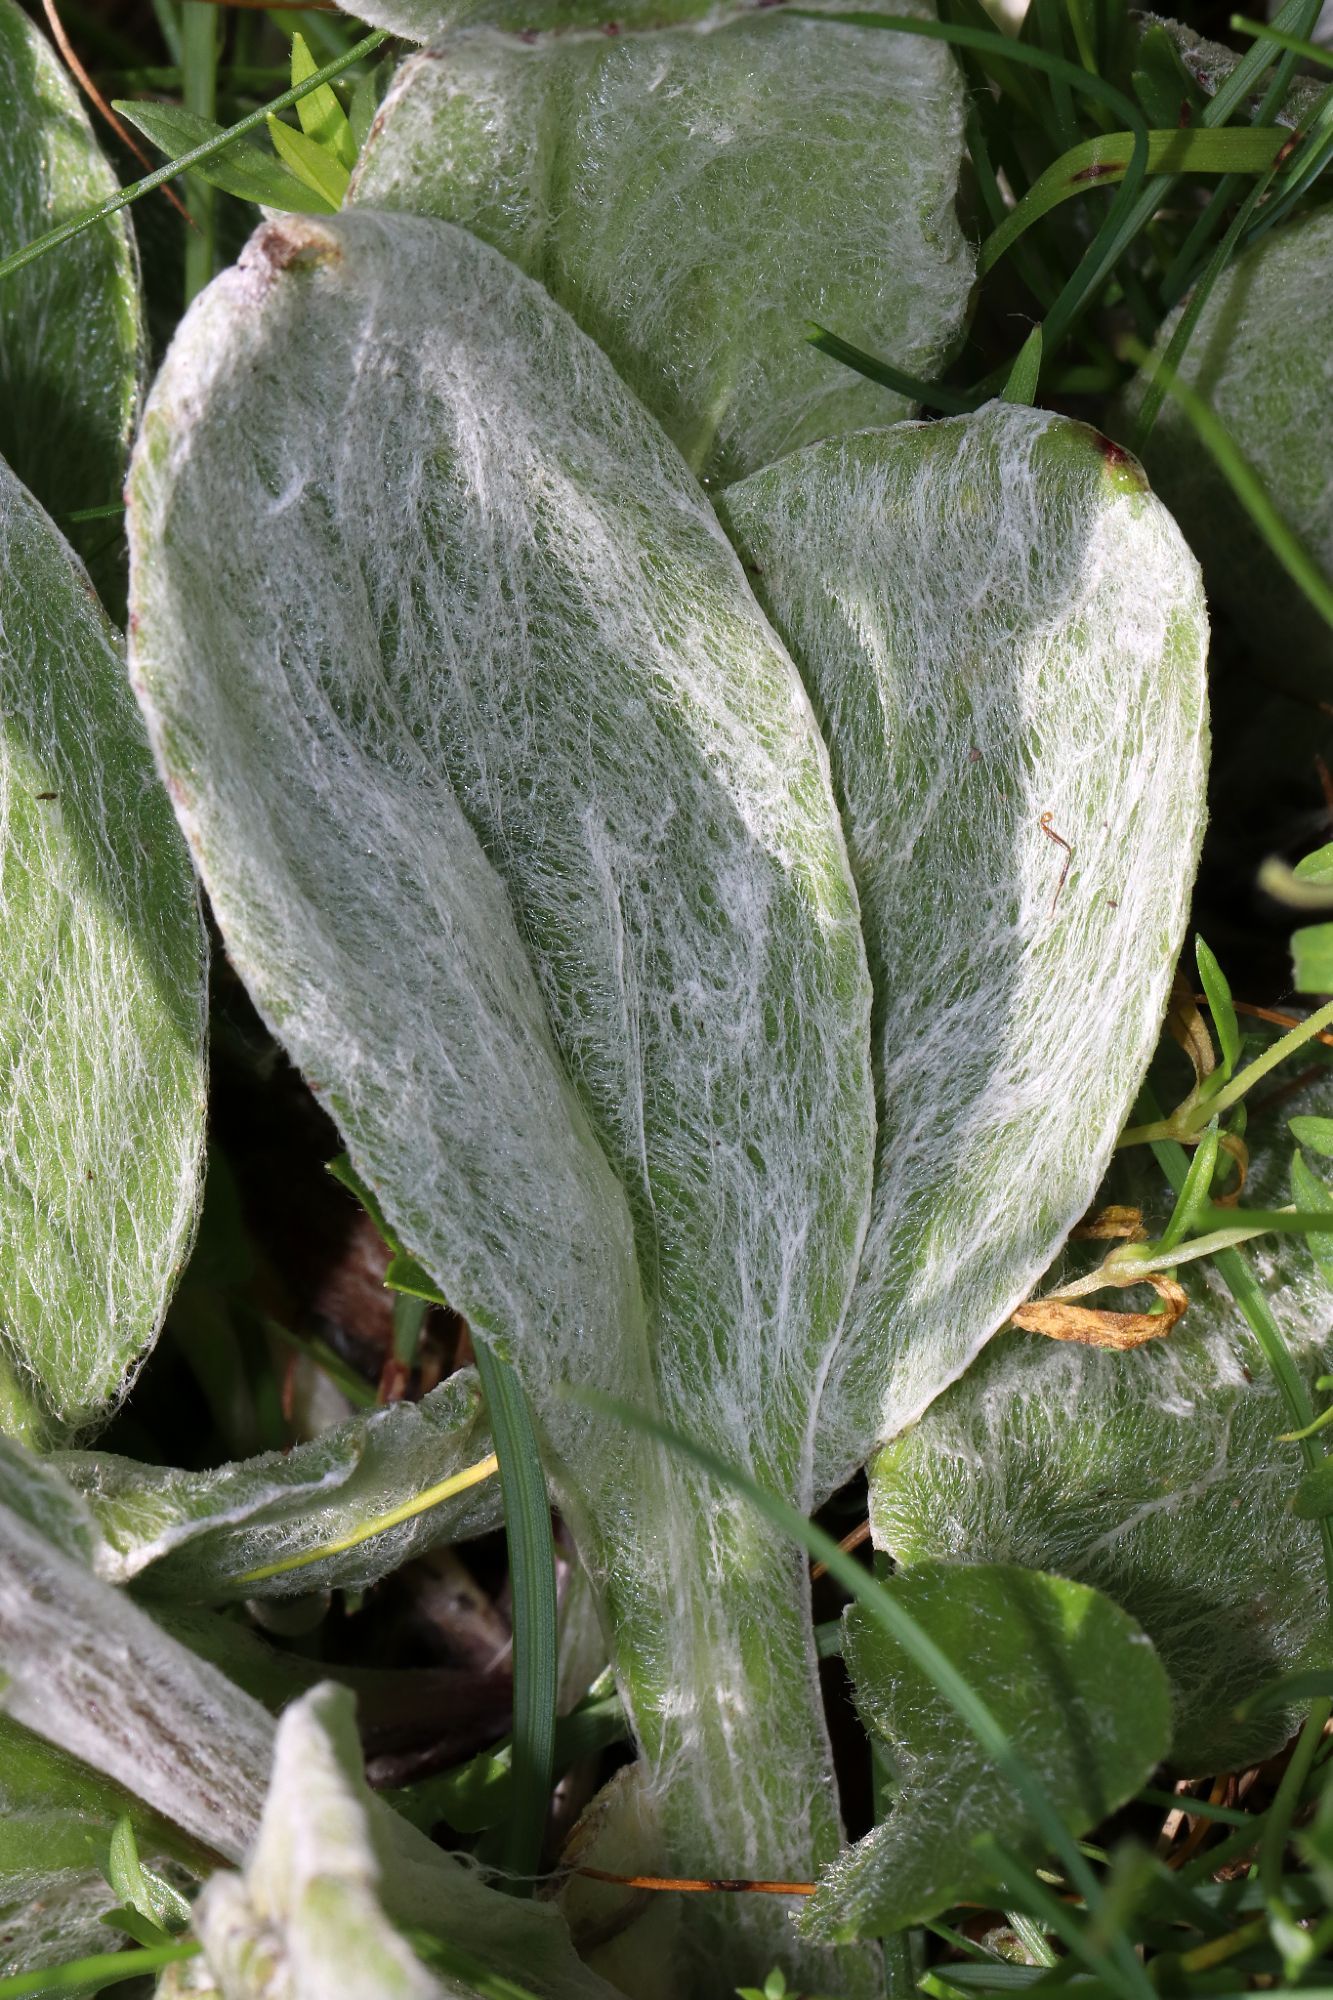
<point>1316,1133</point>
<point>335,1879</point>
<point>1316,868</point>
<point>1069,1676</point>
<point>321,116</point>
<point>1269,390</point>
<point>612,168</point>
<point>1312,1197</point>
<point>991,747</point>
<point>101,1001</point>
<point>71,326</point>
<point>320,171</point>
<point>1312,958</point>
<point>640,982</point>
<point>1218,991</point>
<point>243,170</point>
<point>197,1537</point>
<point>1155,1475</point>
<point>142,1889</point>
<point>91,1673</point>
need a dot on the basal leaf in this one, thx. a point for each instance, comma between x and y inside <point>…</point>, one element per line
<point>694,199</point>
<point>526,673</point>
<point>101,1000</point>
<point>1156,1476</point>
<point>335,1880</point>
<point>198,1537</point>
<point>90,1672</point>
<point>1004,636</point>
<point>71,330</point>
<point>1270,390</point>
<point>1079,1691</point>
<point>243,170</point>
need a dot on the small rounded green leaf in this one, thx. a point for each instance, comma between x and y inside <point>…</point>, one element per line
<point>695,199</point>
<point>71,331</point>
<point>1076,1687</point>
<point>102,996</point>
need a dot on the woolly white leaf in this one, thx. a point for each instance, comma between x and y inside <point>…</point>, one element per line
<point>1005,637</point>
<point>695,199</point>
<point>91,1673</point>
<point>1271,391</point>
<point>71,329</point>
<point>1154,1475</point>
<point>196,1536</point>
<point>101,999</point>
<point>526,613</point>
<point>333,1873</point>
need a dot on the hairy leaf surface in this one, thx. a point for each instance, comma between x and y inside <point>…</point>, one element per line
<point>1004,636</point>
<point>101,999</point>
<point>90,1672</point>
<point>694,199</point>
<point>1270,389</point>
<point>1155,1475</point>
<point>334,1875</point>
<point>71,330</point>
<point>195,1537</point>
<point>447,628</point>
<point>1075,1685</point>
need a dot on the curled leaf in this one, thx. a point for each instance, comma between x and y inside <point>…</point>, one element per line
<point>1092,1326</point>
<point>200,1537</point>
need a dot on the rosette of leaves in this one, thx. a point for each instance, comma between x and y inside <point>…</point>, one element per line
<point>1160,1475</point>
<point>616,169</point>
<point>71,327</point>
<point>444,626</point>
<point>101,1001</point>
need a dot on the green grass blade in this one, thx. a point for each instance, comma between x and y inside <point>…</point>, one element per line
<point>929,394</point>
<point>1102,161</point>
<point>532,1581</point>
<point>89,1975</point>
<point>195,157</point>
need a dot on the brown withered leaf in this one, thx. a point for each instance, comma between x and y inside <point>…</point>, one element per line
<point>1057,1319</point>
